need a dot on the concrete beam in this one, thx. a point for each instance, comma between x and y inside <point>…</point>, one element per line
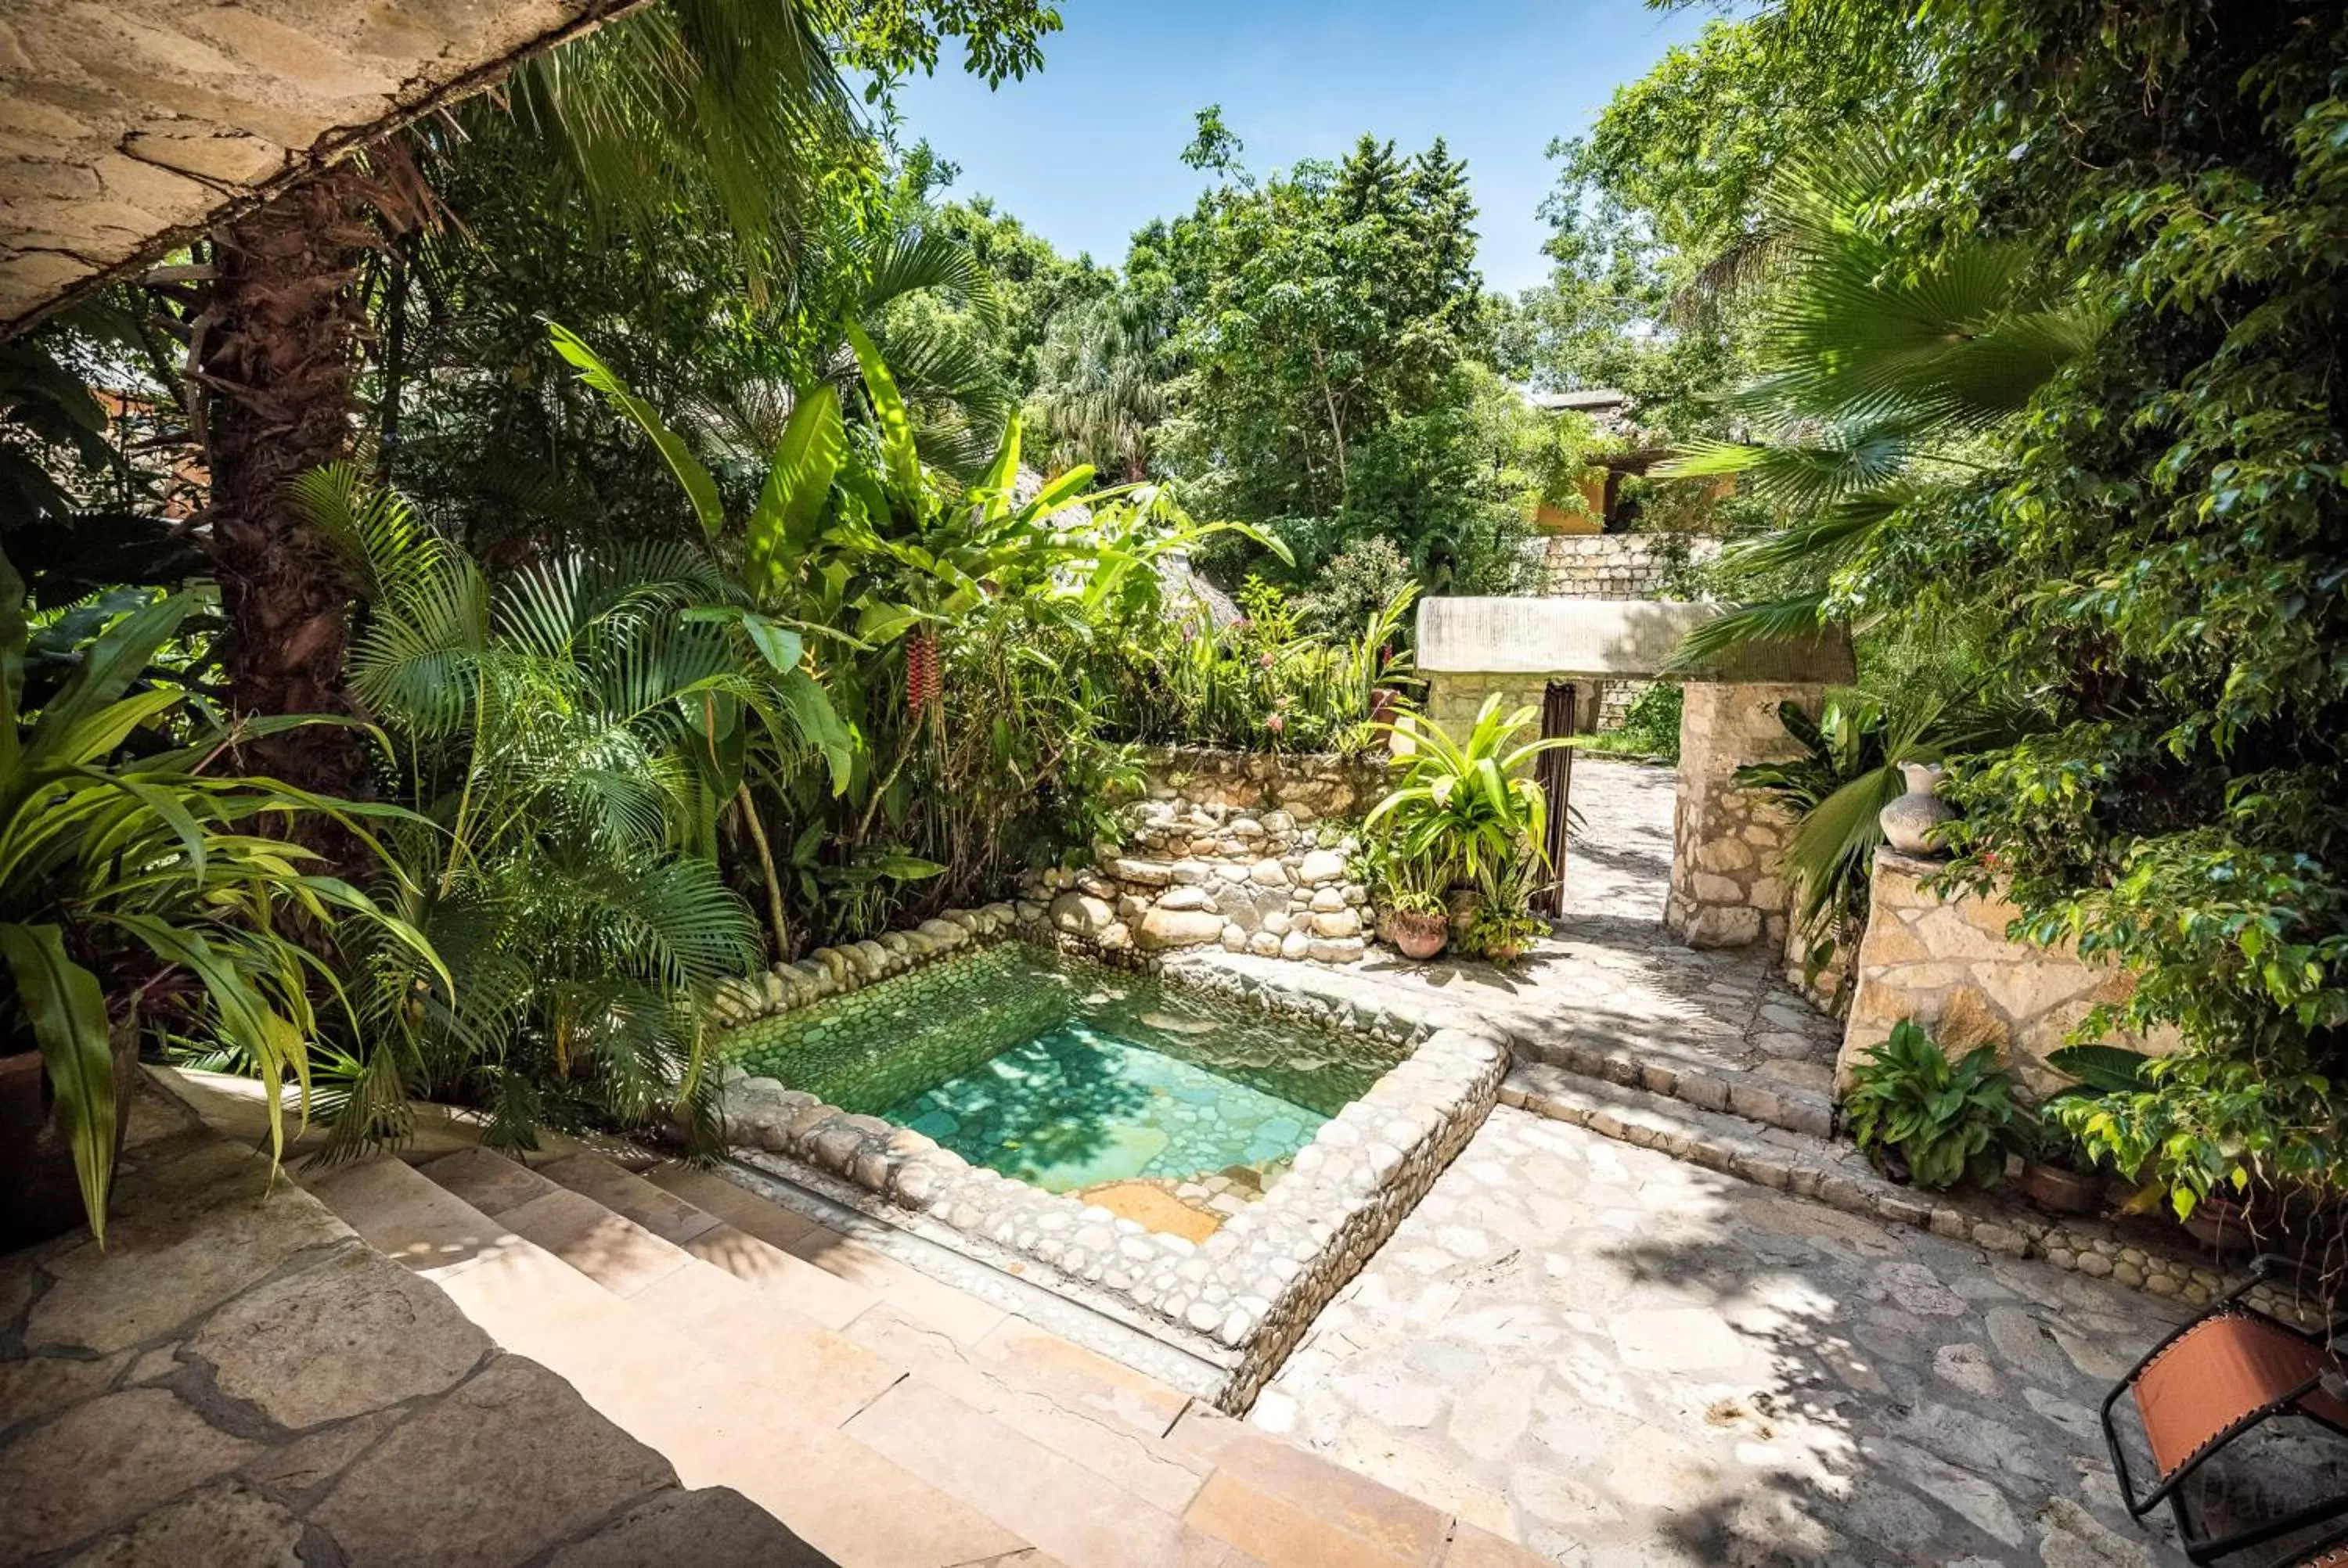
<point>1623,639</point>
<point>129,127</point>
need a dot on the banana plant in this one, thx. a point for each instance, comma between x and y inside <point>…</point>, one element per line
<point>138,884</point>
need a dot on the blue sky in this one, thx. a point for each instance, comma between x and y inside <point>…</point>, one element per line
<point>1089,149</point>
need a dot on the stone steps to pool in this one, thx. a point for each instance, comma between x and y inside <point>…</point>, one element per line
<point>887,1418</point>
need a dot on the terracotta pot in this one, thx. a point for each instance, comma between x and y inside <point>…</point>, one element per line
<point>1419,935</point>
<point>2062,1192</point>
<point>1504,952</point>
<point>2220,1225</point>
<point>1910,822</point>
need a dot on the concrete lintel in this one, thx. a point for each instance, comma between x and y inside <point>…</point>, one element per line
<point>1632,639</point>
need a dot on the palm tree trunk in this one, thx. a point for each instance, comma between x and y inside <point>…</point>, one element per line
<point>277,367</point>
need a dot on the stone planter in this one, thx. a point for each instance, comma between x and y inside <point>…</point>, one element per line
<point>1910,822</point>
<point>2061,1192</point>
<point>1419,934</point>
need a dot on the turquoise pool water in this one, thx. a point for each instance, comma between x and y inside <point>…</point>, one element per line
<point>1069,1075</point>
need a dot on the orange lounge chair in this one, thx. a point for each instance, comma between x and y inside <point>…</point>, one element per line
<point>2215,1379</point>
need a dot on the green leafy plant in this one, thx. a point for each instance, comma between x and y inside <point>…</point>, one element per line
<point>1471,803</point>
<point>1400,881</point>
<point>145,891</point>
<point>1503,924</point>
<point>1911,1109</point>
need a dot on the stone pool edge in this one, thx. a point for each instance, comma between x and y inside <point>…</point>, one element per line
<point>1250,1290</point>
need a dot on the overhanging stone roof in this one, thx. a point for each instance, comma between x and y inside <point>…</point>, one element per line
<point>128,126</point>
<point>1632,639</point>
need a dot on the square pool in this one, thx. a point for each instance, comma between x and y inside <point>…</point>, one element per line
<point>1077,1078</point>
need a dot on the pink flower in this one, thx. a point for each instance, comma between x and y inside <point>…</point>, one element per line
<point>1275,724</point>
<point>1266,661</point>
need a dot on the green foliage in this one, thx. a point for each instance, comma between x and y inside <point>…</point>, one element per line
<point>1261,682</point>
<point>1847,772</point>
<point>1651,729</point>
<point>1503,924</point>
<point>2163,560</point>
<point>1469,803</point>
<point>1944,1123</point>
<point>1657,224</point>
<point>146,892</point>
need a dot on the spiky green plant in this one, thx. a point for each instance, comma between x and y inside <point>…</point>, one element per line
<point>1877,371</point>
<point>148,886</point>
<point>1469,803</point>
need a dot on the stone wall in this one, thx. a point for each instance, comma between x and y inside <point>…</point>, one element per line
<point>1948,964</point>
<point>1195,874</point>
<point>1453,699</point>
<point>1307,786</point>
<point>1728,887</point>
<point>1613,566</point>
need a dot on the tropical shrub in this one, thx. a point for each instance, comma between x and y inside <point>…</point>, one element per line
<point>1261,682</point>
<point>1917,1115</point>
<point>1469,802</point>
<point>570,736</point>
<point>150,896</point>
<point>1847,772</point>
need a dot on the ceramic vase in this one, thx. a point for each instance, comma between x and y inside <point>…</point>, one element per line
<point>1909,822</point>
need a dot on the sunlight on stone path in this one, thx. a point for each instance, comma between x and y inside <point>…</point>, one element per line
<point>1621,1359</point>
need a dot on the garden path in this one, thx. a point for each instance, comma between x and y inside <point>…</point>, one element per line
<point>1615,1358</point>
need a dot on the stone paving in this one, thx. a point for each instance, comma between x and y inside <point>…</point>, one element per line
<point>1612,994</point>
<point>236,1378</point>
<point>1616,1359</point>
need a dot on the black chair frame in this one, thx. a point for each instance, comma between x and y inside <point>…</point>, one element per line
<point>2169,1489</point>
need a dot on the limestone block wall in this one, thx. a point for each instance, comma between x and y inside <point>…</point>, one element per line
<point>1728,887</point>
<point>1948,964</point>
<point>1613,566</point>
<point>1452,699</point>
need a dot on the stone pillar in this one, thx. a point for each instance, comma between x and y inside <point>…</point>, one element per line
<point>1728,887</point>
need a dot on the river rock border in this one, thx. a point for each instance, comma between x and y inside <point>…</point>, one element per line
<point>837,971</point>
<point>1250,1290</point>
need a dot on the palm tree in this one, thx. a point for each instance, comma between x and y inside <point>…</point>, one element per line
<point>1877,372</point>
<point>741,93</point>
<point>1103,393</point>
<point>574,731</point>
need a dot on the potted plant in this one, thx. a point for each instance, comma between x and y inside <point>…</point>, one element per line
<point>1925,1119</point>
<point>1504,924</point>
<point>1408,891</point>
<point>2057,1175</point>
<point>138,887</point>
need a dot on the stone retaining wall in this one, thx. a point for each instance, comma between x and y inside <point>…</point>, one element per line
<point>1307,786</point>
<point>1195,874</point>
<point>1253,1285</point>
<point>1615,566</point>
<point>837,971</point>
<point>1948,964</point>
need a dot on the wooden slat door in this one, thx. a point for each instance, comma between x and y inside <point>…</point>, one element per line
<point>1560,708</point>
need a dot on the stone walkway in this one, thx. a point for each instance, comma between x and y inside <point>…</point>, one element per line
<point>1615,1358</point>
<point>1613,995</point>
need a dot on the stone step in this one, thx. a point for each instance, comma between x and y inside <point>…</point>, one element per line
<point>716,1424</point>
<point>954,1313</point>
<point>829,1378</point>
<point>1753,1096</point>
